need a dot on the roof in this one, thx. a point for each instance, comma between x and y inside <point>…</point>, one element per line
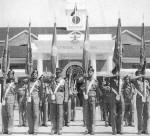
<point>16,51</point>
<point>62,30</point>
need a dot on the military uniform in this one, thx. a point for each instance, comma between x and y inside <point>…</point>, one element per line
<point>22,103</point>
<point>59,95</point>
<point>67,104</point>
<point>33,101</point>
<point>44,104</point>
<point>106,101</point>
<point>116,106</point>
<point>128,92</point>
<point>142,104</point>
<point>8,106</point>
<point>91,92</point>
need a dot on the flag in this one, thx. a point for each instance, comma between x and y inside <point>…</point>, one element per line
<point>117,50</point>
<point>5,56</point>
<point>142,51</point>
<point>54,52</point>
<point>74,11</point>
<point>5,62</point>
<point>85,63</point>
<point>29,63</point>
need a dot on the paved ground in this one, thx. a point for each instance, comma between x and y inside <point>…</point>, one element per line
<point>75,129</point>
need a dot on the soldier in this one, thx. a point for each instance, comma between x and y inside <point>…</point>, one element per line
<point>44,101</point>
<point>59,95</point>
<point>8,103</point>
<point>90,91</point>
<point>33,101</point>
<point>142,102</point>
<point>106,100</point>
<point>128,92</point>
<point>116,105</point>
<point>67,104</point>
<point>22,103</point>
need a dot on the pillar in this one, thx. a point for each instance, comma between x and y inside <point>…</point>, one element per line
<point>109,63</point>
<point>93,64</point>
<point>40,66</point>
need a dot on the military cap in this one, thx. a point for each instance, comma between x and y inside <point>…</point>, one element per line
<point>138,73</point>
<point>58,70</point>
<point>90,69</point>
<point>35,71</point>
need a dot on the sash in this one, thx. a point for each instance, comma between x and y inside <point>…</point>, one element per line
<point>56,89</point>
<point>88,89</point>
<point>31,90</point>
<point>7,90</point>
<point>140,93</point>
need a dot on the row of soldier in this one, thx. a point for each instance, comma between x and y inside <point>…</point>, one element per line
<point>35,93</point>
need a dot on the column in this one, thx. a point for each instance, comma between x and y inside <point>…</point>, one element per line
<point>40,65</point>
<point>93,64</point>
<point>109,63</point>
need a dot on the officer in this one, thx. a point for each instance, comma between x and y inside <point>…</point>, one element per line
<point>116,105</point>
<point>106,100</point>
<point>8,103</point>
<point>128,93</point>
<point>44,100</point>
<point>91,93</point>
<point>59,95</point>
<point>22,102</point>
<point>33,101</point>
<point>142,102</point>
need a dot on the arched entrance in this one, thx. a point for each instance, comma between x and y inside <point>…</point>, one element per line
<point>77,71</point>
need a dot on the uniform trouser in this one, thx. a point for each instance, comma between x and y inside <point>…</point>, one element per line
<point>142,114</point>
<point>7,117</point>
<point>33,114</point>
<point>57,116</point>
<point>44,113</point>
<point>90,110</point>
<point>22,113</point>
<point>128,113</point>
<point>8,114</point>
<point>116,116</point>
<point>67,111</point>
<point>107,112</point>
<point>73,107</point>
<point>84,110</point>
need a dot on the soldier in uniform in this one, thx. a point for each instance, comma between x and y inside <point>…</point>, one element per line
<point>105,87</point>
<point>44,101</point>
<point>59,95</point>
<point>91,93</point>
<point>67,104</point>
<point>128,92</point>
<point>117,103</point>
<point>22,102</point>
<point>142,102</point>
<point>8,103</point>
<point>33,101</point>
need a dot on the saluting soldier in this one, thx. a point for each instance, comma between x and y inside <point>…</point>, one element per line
<point>22,102</point>
<point>59,95</point>
<point>142,102</point>
<point>8,103</point>
<point>117,103</point>
<point>105,87</point>
<point>91,93</point>
<point>128,93</point>
<point>33,101</point>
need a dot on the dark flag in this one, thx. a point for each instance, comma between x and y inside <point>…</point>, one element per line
<point>54,52</point>
<point>85,64</point>
<point>117,50</point>
<point>29,63</point>
<point>142,51</point>
<point>74,11</point>
<point>5,62</point>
